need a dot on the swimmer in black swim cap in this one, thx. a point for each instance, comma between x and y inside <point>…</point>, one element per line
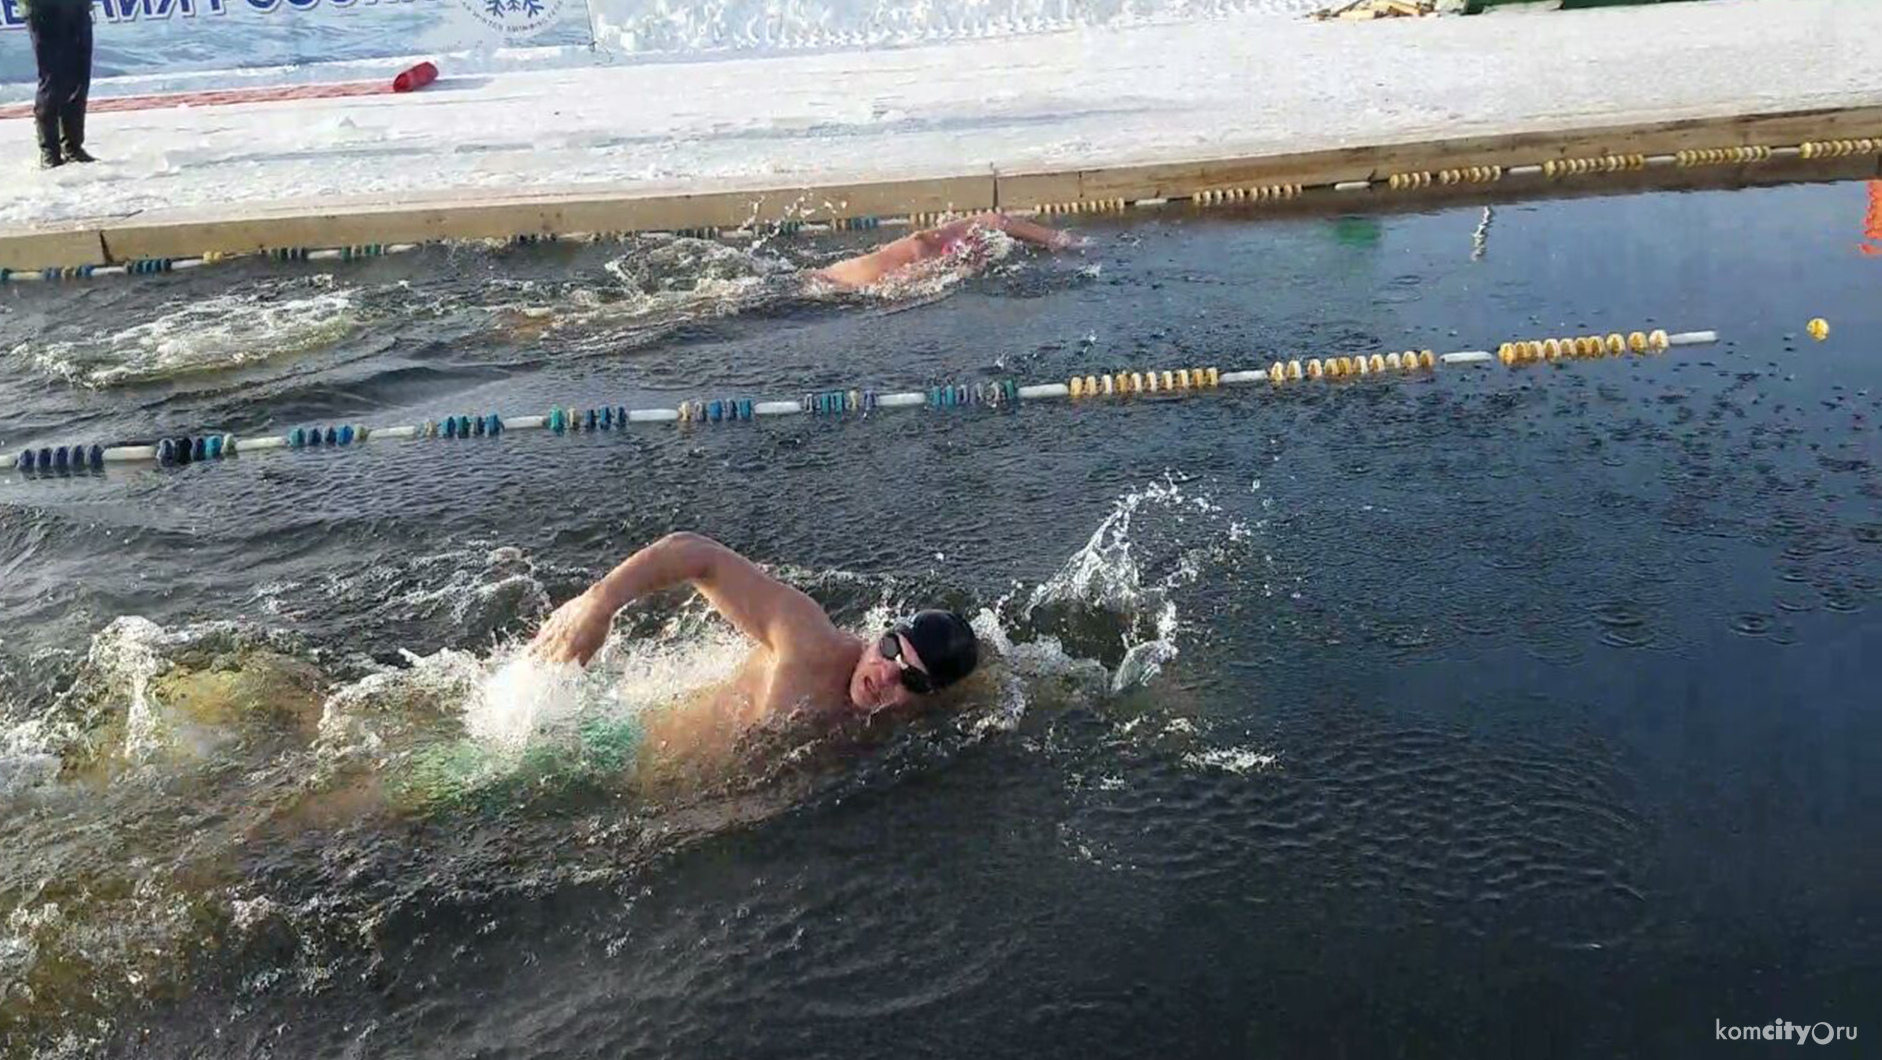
<point>800,658</point>
<point>923,655</point>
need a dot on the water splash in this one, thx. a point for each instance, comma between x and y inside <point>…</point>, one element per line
<point>145,697</point>
<point>128,654</point>
<point>661,284</point>
<point>200,336</point>
<point>1237,760</point>
<point>1106,581</point>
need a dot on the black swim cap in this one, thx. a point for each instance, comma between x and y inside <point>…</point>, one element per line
<point>946,644</point>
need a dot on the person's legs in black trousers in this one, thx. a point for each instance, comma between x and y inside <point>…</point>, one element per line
<point>43,25</point>
<point>72,115</point>
<point>62,42</point>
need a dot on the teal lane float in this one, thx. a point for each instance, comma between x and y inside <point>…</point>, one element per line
<point>984,394</point>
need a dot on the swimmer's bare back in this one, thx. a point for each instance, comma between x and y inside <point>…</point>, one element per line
<point>932,244</point>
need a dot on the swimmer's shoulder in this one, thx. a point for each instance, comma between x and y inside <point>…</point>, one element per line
<point>816,651</point>
<point>812,667</point>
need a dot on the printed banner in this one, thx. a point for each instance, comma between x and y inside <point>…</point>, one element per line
<point>171,36</point>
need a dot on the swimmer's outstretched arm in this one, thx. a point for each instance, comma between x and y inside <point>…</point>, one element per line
<point>762,607</point>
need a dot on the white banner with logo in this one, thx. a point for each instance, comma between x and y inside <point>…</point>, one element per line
<point>170,36</point>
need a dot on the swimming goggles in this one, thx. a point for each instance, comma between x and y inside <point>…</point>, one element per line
<point>914,679</point>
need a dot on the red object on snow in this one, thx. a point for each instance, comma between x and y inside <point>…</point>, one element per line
<point>411,80</point>
<point>416,78</point>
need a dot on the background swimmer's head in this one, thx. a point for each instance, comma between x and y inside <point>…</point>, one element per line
<point>921,656</point>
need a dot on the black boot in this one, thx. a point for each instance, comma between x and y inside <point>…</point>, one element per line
<point>50,157</point>
<point>72,128</point>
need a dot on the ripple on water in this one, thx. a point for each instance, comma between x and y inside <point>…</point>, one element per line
<point>1548,642</point>
<point>1811,545</point>
<point>1409,638</point>
<point>1449,834</point>
<point>1623,624</point>
<point>1840,598</point>
<point>1618,614</point>
<point>1783,633</point>
<point>1474,618</point>
<point>1753,623</point>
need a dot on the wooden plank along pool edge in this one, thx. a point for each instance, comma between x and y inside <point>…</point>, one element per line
<point>1380,161</point>
<point>289,227</point>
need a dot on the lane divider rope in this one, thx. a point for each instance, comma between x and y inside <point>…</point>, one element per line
<point>989,394</point>
<point>1839,148</point>
<point>1080,206</point>
<point>1529,351</point>
<point>1261,193</point>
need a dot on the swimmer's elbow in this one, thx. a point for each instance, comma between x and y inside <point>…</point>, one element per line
<point>694,554</point>
<point>681,539</point>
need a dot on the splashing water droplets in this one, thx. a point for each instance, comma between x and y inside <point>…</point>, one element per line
<point>207,335</point>
<point>1105,582</point>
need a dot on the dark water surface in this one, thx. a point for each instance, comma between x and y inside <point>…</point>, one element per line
<point>1489,713</point>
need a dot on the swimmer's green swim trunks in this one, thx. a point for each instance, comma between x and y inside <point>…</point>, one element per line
<point>464,771</point>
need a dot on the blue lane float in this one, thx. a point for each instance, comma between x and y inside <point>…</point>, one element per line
<point>983,394</point>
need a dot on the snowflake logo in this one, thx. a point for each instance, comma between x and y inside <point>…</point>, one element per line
<point>515,16</point>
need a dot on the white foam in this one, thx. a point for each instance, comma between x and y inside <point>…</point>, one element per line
<point>661,286</point>
<point>1107,573</point>
<point>204,335</point>
<point>524,697</point>
<point>27,770</point>
<point>128,654</point>
<point>510,699</point>
<point>1237,760</point>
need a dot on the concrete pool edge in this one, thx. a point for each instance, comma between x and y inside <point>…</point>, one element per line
<point>364,227</point>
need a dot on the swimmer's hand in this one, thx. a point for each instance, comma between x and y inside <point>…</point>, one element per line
<point>576,631</point>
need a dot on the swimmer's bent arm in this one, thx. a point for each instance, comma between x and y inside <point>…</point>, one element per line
<point>1028,232</point>
<point>939,239</point>
<point>762,607</point>
<point>931,243</point>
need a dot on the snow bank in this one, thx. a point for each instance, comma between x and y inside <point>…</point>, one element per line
<point>1245,84</point>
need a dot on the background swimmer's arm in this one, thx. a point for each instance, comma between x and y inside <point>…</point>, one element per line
<point>762,607</point>
<point>1026,231</point>
<point>930,243</point>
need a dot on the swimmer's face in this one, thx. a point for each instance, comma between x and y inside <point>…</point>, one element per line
<point>877,680</point>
